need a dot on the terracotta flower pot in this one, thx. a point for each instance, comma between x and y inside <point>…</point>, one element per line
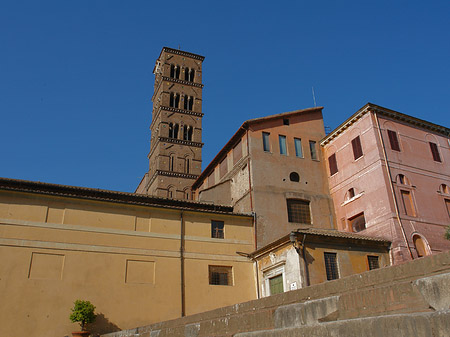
<point>81,334</point>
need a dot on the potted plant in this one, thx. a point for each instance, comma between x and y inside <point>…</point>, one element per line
<point>83,313</point>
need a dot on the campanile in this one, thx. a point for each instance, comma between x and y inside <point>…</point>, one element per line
<point>175,156</point>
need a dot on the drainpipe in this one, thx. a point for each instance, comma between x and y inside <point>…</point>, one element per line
<point>391,185</point>
<point>182,274</point>
<point>249,256</point>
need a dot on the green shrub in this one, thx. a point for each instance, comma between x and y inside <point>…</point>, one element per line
<point>447,233</point>
<point>83,313</point>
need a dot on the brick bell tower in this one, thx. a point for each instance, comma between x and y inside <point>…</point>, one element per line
<point>175,157</point>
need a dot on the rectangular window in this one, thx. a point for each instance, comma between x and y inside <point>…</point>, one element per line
<point>372,260</point>
<point>276,284</point>
<point>220,275</point>
<point>298,211</point>
<point>333,164</point>
<point>237,152</point>
<point>435,152</point>
<point>357,223</point>
<point>393,140</point>
<point>408,203</point>
<point>357,149</point>
<point>298,147</point>
<point>312,149</point>
<point>447,204</point>
<point>223,166</point>
<point>331,266</point>
<point>266,142</point>
<point>217,229</point>
<point>282,140</point>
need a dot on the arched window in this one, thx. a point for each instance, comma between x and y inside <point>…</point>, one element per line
<point>185,101</point>
<point>444,189</point>
<point>172,71</point>
<point>170,192</point>
<point>350,194</point>
<point>187,194</point>
<point>187,165</point>
<point>185,132</point>
<point>294,177</point>
<point>403,180</point>
<point>190,130</point>
<point>171,161</point>
<point>421,245</point>
<point>175,131</point>
<point>186,74</point>
<point>170,130</point>
<point>172,100</point>
<point>191,103</point>
<point>177,71</point>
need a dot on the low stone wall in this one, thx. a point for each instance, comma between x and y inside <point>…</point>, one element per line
<point>419,287</point>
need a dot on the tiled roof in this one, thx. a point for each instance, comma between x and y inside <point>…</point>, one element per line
<point>112,196</point>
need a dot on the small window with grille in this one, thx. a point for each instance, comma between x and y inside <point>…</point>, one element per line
<point>298,211</point>
<point>331,266</point>
<point>217,229</point>
<point>373,262</point>
<point>220,275</point>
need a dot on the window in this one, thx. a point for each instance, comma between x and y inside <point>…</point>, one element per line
<point>312,149</point>
<point>294,177</point>
<point>332,162</point>
<point>357,223</point>
<point>220,275</point>
<point>393,140</point>
<point>447,205</point>
<point>173,130</point>
<point>171,192</point>
<point>187,165</point>
<point>174,71</point>
<point>285,121</point>
<point>171,162</point>
<point>350,193</point>
<point>223,167</point>
<point>435,152</point>
<point>357,149</point>
<point>403,180</point>
<point>420,245</point>
<point>188,102</point>
<point>237,152</point>
<point>298,211</point>
<point>298,147</point>
<point>444,189</point>
<point>217,229</point>
<point>266,142</point>
<point>276,284</point>
<point>282,140</point>
<point>408,203</point>
<point>331,266</point>
<point>372,260</point>
<point>174,100</point>
<point>189,74</point>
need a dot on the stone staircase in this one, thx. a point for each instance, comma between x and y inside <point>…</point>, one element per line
<point>412,299</point>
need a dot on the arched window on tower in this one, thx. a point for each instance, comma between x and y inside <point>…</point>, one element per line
<point>191,75</point>
<point>171,161</point>
<point>174,100</point>
<point>172,71</point>
<point>191,103</point>
<point>177,71</point>
<point>186,74</point>
<point>190,130</point>
<point>170,130</point>
<point>175,131</point>
<point>170,192</point>
<point>187,165</point>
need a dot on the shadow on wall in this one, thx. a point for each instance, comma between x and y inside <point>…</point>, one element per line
<point>102,326</point>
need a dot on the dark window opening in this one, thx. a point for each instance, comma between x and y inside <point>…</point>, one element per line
<point>435,152</point>
<point>373,262</point>
<point>357,149</point>
<point>298,211</point>
<point>357,223</point>
<point>220,275</point>
<point>171,162</point>
<point>266,143</point>
<point>294,177</point>
<point>170,130</point>
<point>187,132</point>
<point>172,71</point>
<point>332,162</point>
<point>331,266</point>
<point>186,165</point>
<point>393,140</point>
<point>174,100</point>
<point>351,193</point>
<point>285,121</point>
<point>312,149</point>
<point>188,102</point>
<point>217,229</point>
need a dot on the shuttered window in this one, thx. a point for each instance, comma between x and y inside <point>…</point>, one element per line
<point>435,152</point>
<point>357,149</point>
<point>333,164</point>
<point>393,140</point>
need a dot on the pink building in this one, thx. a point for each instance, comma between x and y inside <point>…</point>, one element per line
<point>389,176</point>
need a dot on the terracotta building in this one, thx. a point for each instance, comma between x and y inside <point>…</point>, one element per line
<point>389,177</point>
<point>272,166</point>
<point>175,156</point>
<point>137,258</point>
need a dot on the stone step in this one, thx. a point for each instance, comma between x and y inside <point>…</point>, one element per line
<point>436,324</point>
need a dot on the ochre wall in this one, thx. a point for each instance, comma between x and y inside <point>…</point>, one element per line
<point>125,259</point>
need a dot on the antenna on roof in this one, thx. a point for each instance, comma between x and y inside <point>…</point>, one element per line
<point>314,96</point>
<point>179,47</point>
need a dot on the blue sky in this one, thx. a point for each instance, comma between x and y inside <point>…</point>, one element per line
<point>76,76</point>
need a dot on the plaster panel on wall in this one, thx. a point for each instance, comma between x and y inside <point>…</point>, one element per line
<point>46,266</point>
<point>140,272</point>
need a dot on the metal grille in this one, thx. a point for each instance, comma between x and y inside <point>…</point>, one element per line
<point>217,229</point>
<point>331,266</point>
<point>298,211</point>
<point>373,262</point>
<point>220,275</point>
